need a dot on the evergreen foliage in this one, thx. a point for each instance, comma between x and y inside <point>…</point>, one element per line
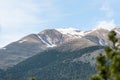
<point>108,65</point>
<point>53,65</point>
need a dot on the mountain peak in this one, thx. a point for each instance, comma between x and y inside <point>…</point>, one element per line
<point>100,29</point>
<point>71,31</point>
<point>66,30</point>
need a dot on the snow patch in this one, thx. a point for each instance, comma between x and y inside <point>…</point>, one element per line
<point>48,45</point>
<point>3,48</point>
<point>21,41</point>
<point>101,43</point>
<point>52,45</point>
<point>50,41</point>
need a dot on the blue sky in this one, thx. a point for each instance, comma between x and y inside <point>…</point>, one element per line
<point>21,17</point>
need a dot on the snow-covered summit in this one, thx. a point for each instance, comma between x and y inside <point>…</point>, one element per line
<point>71,31</point>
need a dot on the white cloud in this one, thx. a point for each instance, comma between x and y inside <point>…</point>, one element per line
<point>14,13</point>
<point>107,9</point>
<point>106,25</point>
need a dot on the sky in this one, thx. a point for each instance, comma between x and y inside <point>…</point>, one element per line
<point>19,18</point>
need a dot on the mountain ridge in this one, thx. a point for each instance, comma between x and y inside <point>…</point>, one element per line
<point>34,43</point>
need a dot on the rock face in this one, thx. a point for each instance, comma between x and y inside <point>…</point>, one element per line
<point>32,44</point>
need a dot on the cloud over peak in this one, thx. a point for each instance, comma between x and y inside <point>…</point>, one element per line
<point>106,25</point>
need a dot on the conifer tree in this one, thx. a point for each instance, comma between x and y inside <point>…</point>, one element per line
<point>108,65</point>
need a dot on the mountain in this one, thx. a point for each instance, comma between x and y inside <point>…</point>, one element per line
<point>32,44</point>
<point>29,46</point>
<point>54,54</point>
